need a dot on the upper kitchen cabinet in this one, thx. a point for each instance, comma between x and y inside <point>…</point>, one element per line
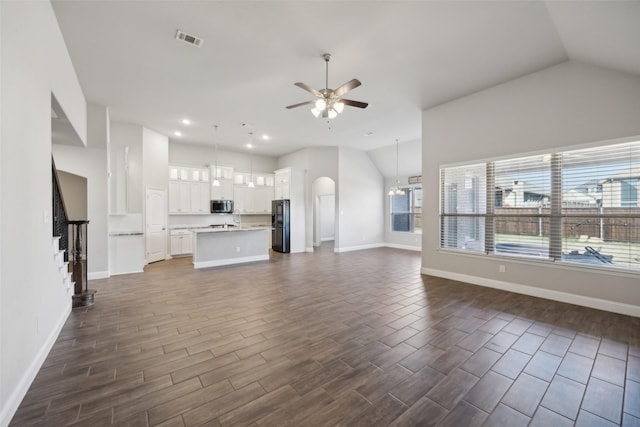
<point>178,173</point>
<point>199,197</point>
<point>188,190</point>
<point>256,199</point>
<point>179,197</point>
<point>119,171</point>
<point>221,172</point>
<point>289,183</point>
<point>224,175</point>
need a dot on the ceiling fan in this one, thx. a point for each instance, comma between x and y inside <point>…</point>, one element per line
<point>329,102</point>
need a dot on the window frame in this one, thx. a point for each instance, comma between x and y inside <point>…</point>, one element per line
<point>411,213</point>
<point>556,215</point>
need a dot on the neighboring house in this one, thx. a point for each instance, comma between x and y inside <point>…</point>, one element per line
<point>520,194</point>
<point>622,190</point>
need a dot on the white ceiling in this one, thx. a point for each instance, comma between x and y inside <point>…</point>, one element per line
<point>409,56</point>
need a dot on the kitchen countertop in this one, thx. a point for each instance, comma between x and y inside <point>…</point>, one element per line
<point>126,233</point>
<point>221,230</point>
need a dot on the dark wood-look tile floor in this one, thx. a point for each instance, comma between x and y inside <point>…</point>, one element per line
<point>358,338</point>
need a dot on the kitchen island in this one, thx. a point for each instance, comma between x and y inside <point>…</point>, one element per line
<point>213,247</point>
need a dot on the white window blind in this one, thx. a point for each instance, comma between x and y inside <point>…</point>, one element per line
<point>579,206</point>
<point>463,207</point>
<point>601,205</point>
<point>522,206</point>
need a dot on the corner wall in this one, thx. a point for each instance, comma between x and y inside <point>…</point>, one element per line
<point>566,105</point>
<point>360,202</point>
<point>35,64</point>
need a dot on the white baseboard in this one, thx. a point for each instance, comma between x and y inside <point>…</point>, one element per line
<point>585,301</point>
<point>229,261</point>
<point>407,247</point>
<point>358,248</point>
<point>127,272</point>
<point>98,275</point>
<point>327,239</point>
<point>15,398</point>
<point>309,249</point>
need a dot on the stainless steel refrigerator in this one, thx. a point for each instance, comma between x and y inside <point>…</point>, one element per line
<point>280,240</point>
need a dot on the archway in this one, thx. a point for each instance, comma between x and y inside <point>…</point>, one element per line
<point>323,192</point>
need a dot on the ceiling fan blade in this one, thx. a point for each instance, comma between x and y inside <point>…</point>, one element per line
<point>301,104</point>
<point>308,89</point>
<point>354,103</point>
<point>351,84</point>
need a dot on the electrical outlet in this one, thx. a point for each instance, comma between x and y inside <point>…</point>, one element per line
<point>502,268</point>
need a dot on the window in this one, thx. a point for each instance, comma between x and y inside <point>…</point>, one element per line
<point>521,206</point>
<point>463,204</point>
<point>406,210</point>
<point>600,210</point>
<point>579,206</point>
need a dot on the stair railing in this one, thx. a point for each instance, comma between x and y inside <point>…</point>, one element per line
<point>60,218</point>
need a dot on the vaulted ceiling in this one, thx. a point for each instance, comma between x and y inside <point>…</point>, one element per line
<point>409,56</point>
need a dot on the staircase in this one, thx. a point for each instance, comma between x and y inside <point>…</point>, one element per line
<point>82,296</point>
<point>63,265</point>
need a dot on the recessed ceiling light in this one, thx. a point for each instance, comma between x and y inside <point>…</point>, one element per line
<point>249,145</point>
<point>265,137</point>
<point>186,121</point>
<point>177,133</point>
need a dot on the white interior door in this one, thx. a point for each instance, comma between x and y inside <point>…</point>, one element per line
<point>156,224</point>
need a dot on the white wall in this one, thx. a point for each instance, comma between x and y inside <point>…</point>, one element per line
<point>35,64</point>
<point>130,135</point>
<point>91,163</point>
<point>155,159</point>
<point>360,194</point>
<point>562,106</point>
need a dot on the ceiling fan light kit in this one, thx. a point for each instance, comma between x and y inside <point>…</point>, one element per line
<point>329,102</point>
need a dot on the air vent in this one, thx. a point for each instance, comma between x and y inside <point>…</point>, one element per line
<point>188,38</point>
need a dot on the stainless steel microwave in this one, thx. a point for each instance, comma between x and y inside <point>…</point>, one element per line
<point>222,206</point>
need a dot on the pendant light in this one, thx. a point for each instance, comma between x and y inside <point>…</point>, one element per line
<point>396,190</point>
<point>251,185</point>
<point>216,181</point>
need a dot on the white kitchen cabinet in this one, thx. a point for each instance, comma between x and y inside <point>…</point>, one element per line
<point>181,242</point>
<point>223,192</point>
<point>262,198</point>
<point>282,184</point>
<point>179,197</point>
<point>188,190</point>
<point>199,197</point>
<point>240,178</point>
<point>178,173</point>
<point>253,200</point>
<point>243,200</point>
<point>199,174</point>
<point>224,175</point>
<point>221,172</point>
